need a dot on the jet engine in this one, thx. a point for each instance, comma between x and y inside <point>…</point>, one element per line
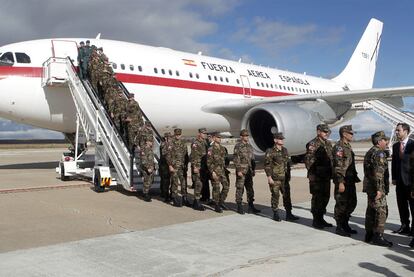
<point>297,124</point>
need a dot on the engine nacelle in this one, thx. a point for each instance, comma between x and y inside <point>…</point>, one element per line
<point>297,124</point>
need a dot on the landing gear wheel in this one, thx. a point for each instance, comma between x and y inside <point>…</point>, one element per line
<point>62,173</point>
<point>97,182</point>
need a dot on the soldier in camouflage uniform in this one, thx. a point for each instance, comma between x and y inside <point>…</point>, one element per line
<point>134,123</point>
<point>345,176</point>
<point>318,161</point>
<point>177,158</point>
<point>205,191</point>
<point>81,54</point>
<point>146,131</point>
<point>147,166</point>
<point>276,168</point>
<point>86,56</point>
<point>243,159</point>
<point>118,112</point>
<point>165,146</point>
<point>198,160</point>
<point>377,187</point>
<point>216,156</point>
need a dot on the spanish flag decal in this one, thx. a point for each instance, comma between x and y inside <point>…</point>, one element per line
<point>189,62</point>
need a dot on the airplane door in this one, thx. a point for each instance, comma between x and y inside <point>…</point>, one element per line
<point>247,90</point>
<point>64,48</point>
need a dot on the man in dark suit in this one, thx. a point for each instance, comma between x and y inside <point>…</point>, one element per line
<point>401,151</point>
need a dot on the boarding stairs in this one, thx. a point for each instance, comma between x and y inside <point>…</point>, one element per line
<point>391,114</point>
<point>113,161</point>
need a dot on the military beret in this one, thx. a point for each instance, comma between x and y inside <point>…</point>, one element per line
<point>347,129</point>
<point>202,130</point>
<point>167,134</point>
<point>323,128</point>
<point>177,131</point>
<point>378,136</point>
<point>88,41</point>
<point>278,135</point>
<point>244,132</point>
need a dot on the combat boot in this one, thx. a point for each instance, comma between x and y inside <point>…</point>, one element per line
<point>348,229</point>
<point>276,216</point>
<point>325,223</point>
<point>316,223</point>
<point>252,208</point>
<point>177,202</point>
<point>379,240</point>
<point>340,230</point>
<point>217,208</point>
<point>185,201</point>
<point>290,216</point>
<point>197,206</point>
<point>368,236</point>
<point>240,208</point>
<point>147,197</point>
<point>223,206</point>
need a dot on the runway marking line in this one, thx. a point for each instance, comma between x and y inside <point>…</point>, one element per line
<point>31,189</point>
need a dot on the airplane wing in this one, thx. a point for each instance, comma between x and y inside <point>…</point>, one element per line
<point>232,106</point>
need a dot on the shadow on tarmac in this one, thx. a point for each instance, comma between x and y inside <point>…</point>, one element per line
<point>39,165</point>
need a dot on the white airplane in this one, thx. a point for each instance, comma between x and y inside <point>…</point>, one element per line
<point>179,89</point>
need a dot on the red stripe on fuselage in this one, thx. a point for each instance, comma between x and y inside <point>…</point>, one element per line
<point>6,71</point>
<point>150,80</point>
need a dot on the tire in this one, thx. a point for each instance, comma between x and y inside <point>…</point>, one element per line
<point>62,173</point>
<point>97,182</point>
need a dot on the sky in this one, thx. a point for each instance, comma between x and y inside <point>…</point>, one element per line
<point>317,37</point>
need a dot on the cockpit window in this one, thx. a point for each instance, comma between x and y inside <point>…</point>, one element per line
<point>7,57</point>
<point>22,58</point>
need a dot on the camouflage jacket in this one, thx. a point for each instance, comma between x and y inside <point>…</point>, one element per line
<point>165,147</point>
<point>318,158</point>
<point>118,108</point>
<point>134,113</point>
<point>178,155</point>
<point>198,156</point>
<point>276,163</point>
<point>216,156</point>
<point>147,158</point>
<point>344,163</point>
<point>243,157</point>
<point>375,168</point>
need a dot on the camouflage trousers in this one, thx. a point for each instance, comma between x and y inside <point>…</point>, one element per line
<point>321,192</point>
<point>376,214</point>
<point>220,197</point>
<point>244,181</point>
<point>345,202</point>
<point>198,182</point>
<point>280,186</point>
<point>148,179</point>
<point>177,179</point>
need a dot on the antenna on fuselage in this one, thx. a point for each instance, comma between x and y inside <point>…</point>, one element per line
<point>98,36</point>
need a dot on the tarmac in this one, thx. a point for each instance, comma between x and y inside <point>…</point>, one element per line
<point>55,228</point>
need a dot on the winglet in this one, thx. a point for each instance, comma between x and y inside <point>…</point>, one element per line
<point>98,36</point>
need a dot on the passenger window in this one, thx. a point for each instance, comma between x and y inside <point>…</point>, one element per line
<point>170,72</point>
<point>22,58</point>
<point>191,75</point>
<point>131,67</point>
<point>122,66</point>
<point>7,58</point>
<point>155,70</point>
<point>221,79</point>
<point>197,76</point>
<point>114,66</point>
<point>237,81</point>
<point>163,71</point>
<point>215,78</point>
<point>227,79</point>
<point>209,77</point>
<point>139,68</point>
<point>177,73</point>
